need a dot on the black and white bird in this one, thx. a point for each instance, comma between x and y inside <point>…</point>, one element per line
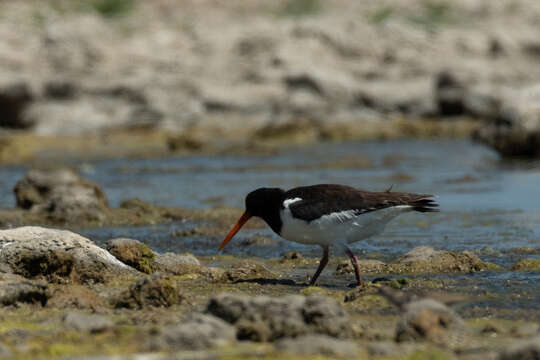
<point>329,215</point>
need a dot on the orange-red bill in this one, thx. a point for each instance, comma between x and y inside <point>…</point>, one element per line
<point>243,219</point>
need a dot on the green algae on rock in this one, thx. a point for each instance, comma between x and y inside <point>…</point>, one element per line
<point>133,253</point>
<point>529,264</point>
<point>157,290</point>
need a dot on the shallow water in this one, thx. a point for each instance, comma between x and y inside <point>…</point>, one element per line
<point>487,205</point>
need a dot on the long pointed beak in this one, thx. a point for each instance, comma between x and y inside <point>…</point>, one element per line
<point>243,219</point>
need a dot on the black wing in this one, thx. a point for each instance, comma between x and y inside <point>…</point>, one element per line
<point>323,199</point>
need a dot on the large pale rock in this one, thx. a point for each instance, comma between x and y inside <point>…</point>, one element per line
<point>57,255</point>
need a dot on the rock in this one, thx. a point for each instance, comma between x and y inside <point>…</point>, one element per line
<point>14,99</point>
<point>56,255</point>
<point>511,142</point>
<point>515,131</point>
<point>265,318</point>
<point>320,345</point>
<point>14,291</point>
<point>91,323</point>
<point>527,265</point>
<point>428,319</point>
<point>522,350</point>
<point>62,194</point>
<point>75,296</point>
<point>247,270</point>
<point>196,332</point>
<point>423,259</point>
<point>157,290</point>
<point>133,253</point>
<point>365,266</point>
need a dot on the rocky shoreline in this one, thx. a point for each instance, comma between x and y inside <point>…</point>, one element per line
<point>60,297</point>
<point>62,294</point>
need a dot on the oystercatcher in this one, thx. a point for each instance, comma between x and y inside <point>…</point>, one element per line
<point>329,214</point>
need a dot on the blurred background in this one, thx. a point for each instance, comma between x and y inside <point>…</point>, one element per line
<point>123,77</point>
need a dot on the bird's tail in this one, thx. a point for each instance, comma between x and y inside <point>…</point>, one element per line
<point>425,204</point>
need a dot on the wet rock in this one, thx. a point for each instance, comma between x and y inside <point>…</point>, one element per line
<point>157,290</point>
<point>522,350</point>
<point>426,259</point>
<point>62,194</point>
<point>527,265</point>
<point>196,332</point>
<point>91,323</point>
<point>56,255</point>
<point>248,270</point>
<point>14,99</point>
<point>133,253</point>
<point>78,297</point>
<point>365,266</point>
<point>14,290</point>
<point>265,318</point>
<point>318,345</point>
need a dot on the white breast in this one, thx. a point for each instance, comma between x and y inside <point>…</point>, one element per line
<point>343,227</point>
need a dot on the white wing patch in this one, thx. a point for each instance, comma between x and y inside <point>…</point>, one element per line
<point>288,202</point>
<point>340,216</point>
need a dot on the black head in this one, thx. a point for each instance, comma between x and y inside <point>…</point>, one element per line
<point>262,201</point>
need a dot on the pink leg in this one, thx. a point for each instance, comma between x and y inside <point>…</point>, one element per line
<point>354,262</point>
<point>322,265</point>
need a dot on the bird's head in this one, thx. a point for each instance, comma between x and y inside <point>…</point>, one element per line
<point>259,203</point>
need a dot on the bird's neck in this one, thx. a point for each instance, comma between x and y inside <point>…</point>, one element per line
<point>271,214</point>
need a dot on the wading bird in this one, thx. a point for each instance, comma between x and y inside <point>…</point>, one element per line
<point>329,215</point>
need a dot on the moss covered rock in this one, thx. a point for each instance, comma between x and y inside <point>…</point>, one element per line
<point>133,253</point>
<point>157,290</point>
<point>527,265</point>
